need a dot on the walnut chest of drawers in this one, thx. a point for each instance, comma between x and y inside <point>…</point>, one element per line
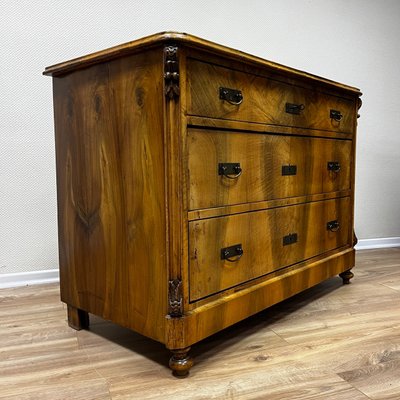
<point>197,185</point>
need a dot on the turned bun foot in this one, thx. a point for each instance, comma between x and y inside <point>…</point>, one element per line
<point>180,362</point>
<point>346,276</point>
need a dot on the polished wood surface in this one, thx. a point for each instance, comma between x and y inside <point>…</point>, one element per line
<point>261,158</point>
<point>111,194</point>
<point>264,100</point>
<point>261,236</point>
<point>211,316</point>
<point>333,341</point>
<point>77,319</point>
<point>257,127</point>
<point>346,276</point>
<point>180,362</point>
<point>140,130</point>
<point>195,43</point>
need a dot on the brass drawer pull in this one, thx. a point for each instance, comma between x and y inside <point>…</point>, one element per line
<point>336,115</point>
<point>294,108</point>
<point>232,96</point>
<point>333,226</point>
<point>333,166</point>
<point>228,253</point>
<point>230,170</point>
<point>290,239</point>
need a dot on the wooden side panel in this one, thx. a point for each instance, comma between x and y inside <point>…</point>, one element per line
<point>111,191</point>
<point>260,235</point>
<point>264,100</point>
<point>261,157</point>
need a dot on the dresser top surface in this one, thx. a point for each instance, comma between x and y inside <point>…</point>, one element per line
<point>189,41</point>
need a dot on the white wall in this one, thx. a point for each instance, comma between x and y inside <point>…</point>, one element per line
<point>351,41</point>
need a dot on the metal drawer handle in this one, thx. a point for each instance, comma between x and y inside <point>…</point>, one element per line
<point>294,108</point>
<point>336,115</point>
<point>232,253</point>
<point>334,166</point>
<point>289,170</point>
<point>290,239</point>
<point>333,226</point>
<point>232,96</point>
<point>230,170</point>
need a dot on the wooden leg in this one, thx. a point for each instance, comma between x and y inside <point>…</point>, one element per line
<point>77,319</point>
<point>180,362</point>
<point>346,276</point>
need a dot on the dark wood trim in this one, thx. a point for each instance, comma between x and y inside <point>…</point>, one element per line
<point>175,298</point>
<point>171,72</point>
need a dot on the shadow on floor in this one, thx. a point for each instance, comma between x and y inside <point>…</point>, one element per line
<point>218,342</point>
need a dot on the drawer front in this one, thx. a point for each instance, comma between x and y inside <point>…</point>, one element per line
<point>270,239</point>
<point>271,167</point>
<point>264,100</point>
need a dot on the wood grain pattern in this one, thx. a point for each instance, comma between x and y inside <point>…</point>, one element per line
<point>111,192</point>
<point>261,236</point>
<point>140,131</point>
<point>173,175</point>
<point>298,349</point>
<point>216,315</point>
<point>261,158</point>
<point>77,319</point>
<point>264,100</point>
<point>257,127</point>
<point>262,205</point>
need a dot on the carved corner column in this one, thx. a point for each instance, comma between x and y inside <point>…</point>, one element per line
<point>180,362</point>
<point>175,299</point>
<point>347,275</point>
<point>171,72</point>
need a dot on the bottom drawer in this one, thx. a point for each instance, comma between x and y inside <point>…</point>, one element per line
<point>269,240</point>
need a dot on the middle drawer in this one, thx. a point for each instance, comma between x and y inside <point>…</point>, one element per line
<point>227,168</point>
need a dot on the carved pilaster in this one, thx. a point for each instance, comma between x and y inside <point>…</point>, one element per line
<point>359,104</point>
<point>355,239</point>
<point>171,72</point>
<point>175,298</point>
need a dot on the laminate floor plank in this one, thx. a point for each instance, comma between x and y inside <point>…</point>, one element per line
<point>331,342</point>
<point>379,381</point>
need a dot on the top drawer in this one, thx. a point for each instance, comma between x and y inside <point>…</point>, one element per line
<point>264,100</point>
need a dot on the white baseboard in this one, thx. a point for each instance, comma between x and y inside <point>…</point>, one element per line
<point>52,275</point>
<point>29,278</point>
<point>378,243</point>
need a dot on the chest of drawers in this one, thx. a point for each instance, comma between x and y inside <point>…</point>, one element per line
<point>197,185</point>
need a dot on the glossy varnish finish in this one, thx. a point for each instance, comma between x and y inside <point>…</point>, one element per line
<point>143,211</point>
<point>261,158</point>
<point>261,236</point>
<point>264,100</point>
<point>111,195</point>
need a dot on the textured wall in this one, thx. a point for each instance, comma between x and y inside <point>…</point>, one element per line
<point>355,42</point>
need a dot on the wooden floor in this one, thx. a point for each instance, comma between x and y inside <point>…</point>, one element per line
<point>330,342</point>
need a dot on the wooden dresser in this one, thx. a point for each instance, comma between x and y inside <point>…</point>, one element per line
<point>197,185</point>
